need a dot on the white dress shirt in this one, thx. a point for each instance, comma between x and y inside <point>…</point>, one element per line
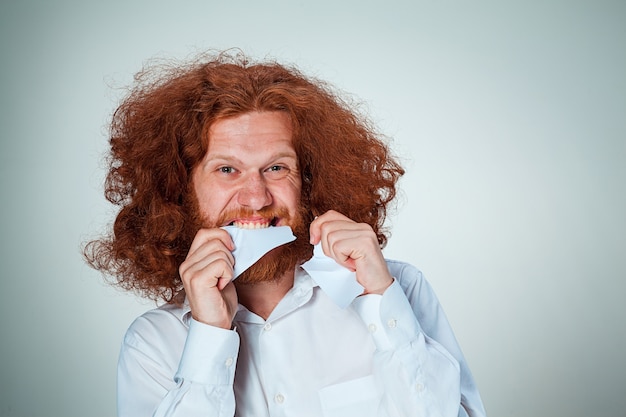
<point>389,355</point>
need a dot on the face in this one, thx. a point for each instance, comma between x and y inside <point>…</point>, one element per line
<point>249,176</point>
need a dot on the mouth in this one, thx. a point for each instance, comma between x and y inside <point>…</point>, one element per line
<point>254,223</point>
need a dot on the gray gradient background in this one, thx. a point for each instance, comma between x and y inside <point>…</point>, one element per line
<point>510,118</point>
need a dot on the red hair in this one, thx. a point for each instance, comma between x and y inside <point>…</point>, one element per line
<point>160,133</point>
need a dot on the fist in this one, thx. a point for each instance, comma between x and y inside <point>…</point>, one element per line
<point>207,275</point>
<point>355,246</point>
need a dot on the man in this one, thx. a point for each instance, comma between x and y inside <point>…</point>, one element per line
<point>225,143</point>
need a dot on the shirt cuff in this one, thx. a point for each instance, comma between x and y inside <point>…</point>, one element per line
<point>388,317</point>
<point>209,356</point>
<point>368,309</point>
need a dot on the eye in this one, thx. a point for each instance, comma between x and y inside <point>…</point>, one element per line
<point>277,172</point>
<point>226,170</point>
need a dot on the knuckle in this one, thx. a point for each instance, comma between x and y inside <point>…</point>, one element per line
<point>224,266</point>
<point>183,271</point>
<point>198,278</point>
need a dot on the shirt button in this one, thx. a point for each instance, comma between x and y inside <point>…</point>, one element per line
<point>229,362</point>
<point>419,387</point>
<point>279,398</point>
<point>391,323</point>
<point>372,328</point>
<point>267,327</point>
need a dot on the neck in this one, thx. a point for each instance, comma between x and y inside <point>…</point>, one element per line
<point>262,297</point>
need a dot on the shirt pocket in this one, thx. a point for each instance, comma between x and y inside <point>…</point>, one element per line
<point>355,398</point>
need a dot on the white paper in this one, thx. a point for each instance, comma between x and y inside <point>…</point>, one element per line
<point>338,282</point>
<point>252,244</point>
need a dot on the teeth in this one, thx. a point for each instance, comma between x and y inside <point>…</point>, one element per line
<point>252,225</point>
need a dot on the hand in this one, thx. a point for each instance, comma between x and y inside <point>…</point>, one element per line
<point>207,275</point>
<point>355,246</point>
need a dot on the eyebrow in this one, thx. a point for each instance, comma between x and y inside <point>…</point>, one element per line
<point>233,158</point>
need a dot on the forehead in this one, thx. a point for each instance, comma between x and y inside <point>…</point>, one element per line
<point>254,130</point>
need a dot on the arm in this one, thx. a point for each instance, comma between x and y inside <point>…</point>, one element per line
<point>423,372</point>
<point>157,376</point>
<point>156,379</point>
<point>427,310</point>
<point>418,364</point>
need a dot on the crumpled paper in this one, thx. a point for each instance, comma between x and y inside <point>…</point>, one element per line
<point>338,282</point>
<point>252,244</point>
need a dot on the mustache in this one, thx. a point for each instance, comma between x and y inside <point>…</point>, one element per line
<point>244,212</point>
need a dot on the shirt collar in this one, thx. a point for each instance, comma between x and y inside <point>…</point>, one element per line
<point>296,297</point>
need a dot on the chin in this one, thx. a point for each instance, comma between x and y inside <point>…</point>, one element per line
<point>278,263</point>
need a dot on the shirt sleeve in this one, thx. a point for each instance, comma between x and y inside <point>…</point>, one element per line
<point>203,381</point>
<point>417,361</point>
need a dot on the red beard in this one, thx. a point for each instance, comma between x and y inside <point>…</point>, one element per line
<point>274,264</point>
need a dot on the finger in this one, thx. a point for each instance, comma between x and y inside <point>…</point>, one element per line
<point>205,235</point>
<point>207,270</point>
<point>335,231</point>
<point>200,283</point>
<point>216,274</point>
<point>316,226</point>
<point>224,281</point>
<point>346,247</point>
<point>201,260</point>
<point>207,250</point>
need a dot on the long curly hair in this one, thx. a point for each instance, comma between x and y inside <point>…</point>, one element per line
<point>160,133</point>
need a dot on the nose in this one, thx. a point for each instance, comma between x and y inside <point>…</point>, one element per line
<point>254,193</point>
